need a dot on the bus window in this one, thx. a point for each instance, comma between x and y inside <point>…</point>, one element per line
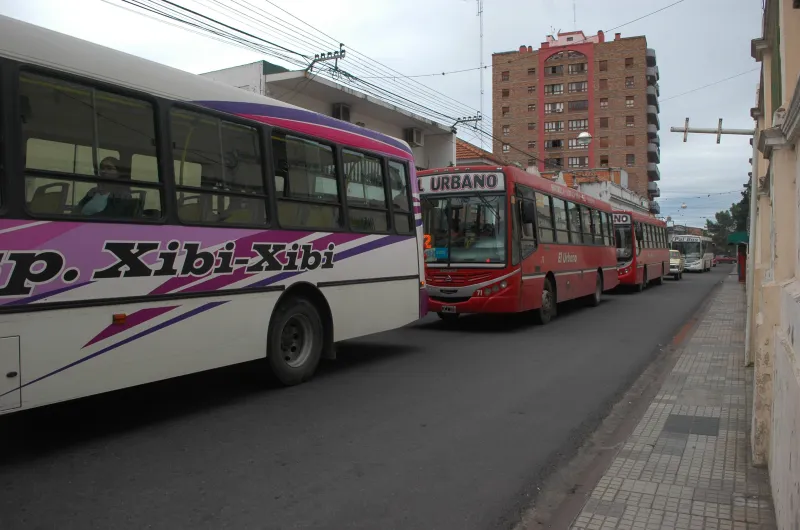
<point>367,207</point>
<point>597,226</point>
<point>608,234</point>
<point>230,189</point>
<point>87,137</point>
<point>398,182</point>
<point>544,218</point>
<point>528,231</point>
<point>560,217</point>
<point>586,223</point>
<point>305,175</point>
<point>574,216</point>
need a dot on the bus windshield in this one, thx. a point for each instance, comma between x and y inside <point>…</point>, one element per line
<point>469,229</point>
<point>624,243</point>
<point>690,249</point>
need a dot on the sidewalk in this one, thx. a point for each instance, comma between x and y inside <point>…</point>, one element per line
<point>686,465</point>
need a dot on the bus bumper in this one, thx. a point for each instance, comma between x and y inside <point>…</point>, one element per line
<point>627,275</point>
<point>499,303</point>
<point>694,266</point>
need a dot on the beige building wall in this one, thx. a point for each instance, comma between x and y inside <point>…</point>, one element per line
<point>774,320</point>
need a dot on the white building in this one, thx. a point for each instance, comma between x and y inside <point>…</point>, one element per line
<point>433,144</point>
<point>607,184</point>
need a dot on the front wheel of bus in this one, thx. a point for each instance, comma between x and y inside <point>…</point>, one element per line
<point>296,337</point>
<point>547,310</point>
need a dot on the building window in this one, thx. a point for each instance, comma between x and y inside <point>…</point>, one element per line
<point>629,101</point>
<point>603,66</point>
<point>553,162</point>
<point>578,125</point>
<point>531,107</point>
<point>630,160</point>
<point>553,144</point>
<point>575,144</point>
<point>629,82</point>
<point>506,92</point>
<point>604,84</point>
<point>532,89</point>
<point>630,121</point>
<point>531,162</point>
<point>531,125</point>
<point>552,90</point>
<point>553,126</point>
<point>603,103</point>
<point>506,111</point>
<point>575,106</point>
<point>579,86</point>
<point>630,140</point>
<point>628,62</point>
<point>603,160</point>
<point>603,141</point>
<point>531,71</point>
<point>553,70</point>
<point>604,123</point>
<point>506,148</point>
<point>506,130</point>
<point>504,76</point>
<point>553,108</point>
<point>531,144</point>
<point>575,69</point>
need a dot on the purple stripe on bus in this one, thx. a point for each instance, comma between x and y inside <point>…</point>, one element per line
<point>193,312</point>
<point>34,236</point>
<point>290,113</point>
<point>131,321</point>
<point>40,296</point>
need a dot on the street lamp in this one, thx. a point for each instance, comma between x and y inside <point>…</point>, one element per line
<point>584,139</point>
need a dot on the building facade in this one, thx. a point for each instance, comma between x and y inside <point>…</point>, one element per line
<point>433,144</point>
<point>543,99</point>
<point>773,323</point>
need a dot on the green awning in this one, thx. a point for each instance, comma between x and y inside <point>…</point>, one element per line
<point>738,238</point>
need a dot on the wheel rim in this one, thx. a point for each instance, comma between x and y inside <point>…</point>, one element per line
<point>296,340</point>
<point>547,301</point>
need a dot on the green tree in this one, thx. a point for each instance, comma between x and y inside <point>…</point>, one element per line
<point>741,212</point>
<point>734,219</point>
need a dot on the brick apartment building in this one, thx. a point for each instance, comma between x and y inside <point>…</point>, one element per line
<point>542,99</point>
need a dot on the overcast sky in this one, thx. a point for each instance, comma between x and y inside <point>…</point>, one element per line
<point>697,42</point>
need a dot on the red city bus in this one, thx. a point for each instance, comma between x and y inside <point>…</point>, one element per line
<point>502,240</point>
<point>643,259</point>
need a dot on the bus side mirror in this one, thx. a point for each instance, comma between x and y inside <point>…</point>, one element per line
<point>528,212</point>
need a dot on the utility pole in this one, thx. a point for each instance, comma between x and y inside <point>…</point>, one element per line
<point>468,119</point>
<point>329,56</point>
<point>719,131</point>
<point>480,16</point>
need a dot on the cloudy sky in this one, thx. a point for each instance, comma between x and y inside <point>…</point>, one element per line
<point>698,42</point>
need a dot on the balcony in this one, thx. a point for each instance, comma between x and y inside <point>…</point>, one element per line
<point>652,171</point>
<point>652,189</point>
<point>656,140</point>
<point>652,75</point>
<point>652,132</point>
<point>653,153</point>
<point>655,208</point>
<point>652,116</point>
<point>650,54</point>
<point>652,94</point>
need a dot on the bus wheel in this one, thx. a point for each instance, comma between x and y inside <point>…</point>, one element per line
<point>660,279</point>
<point>296,338</point>
<point>594,300</point>
<point>547,310</point>
<point>642,286</point>
<point>450,318</point>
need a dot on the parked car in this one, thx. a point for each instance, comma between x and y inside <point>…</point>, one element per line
<point>726,259</point>
<point>676,264</point>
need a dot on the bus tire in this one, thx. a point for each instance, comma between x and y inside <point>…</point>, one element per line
<point>295,341</point>
<point>547,309</point>
<point>660,279</point>
<point>596,297</point>
<point>643,285</point>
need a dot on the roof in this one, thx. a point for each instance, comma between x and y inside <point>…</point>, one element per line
<point>467,151</point>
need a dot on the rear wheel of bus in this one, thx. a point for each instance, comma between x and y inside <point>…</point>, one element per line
<point>295,341</point>
<point>547,309</point>
<point>643,285</point>
<point>596,297</point>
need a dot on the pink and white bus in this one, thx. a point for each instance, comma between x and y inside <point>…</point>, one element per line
<point>154,223</point>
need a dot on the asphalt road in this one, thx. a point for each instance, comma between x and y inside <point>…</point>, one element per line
<point>418,428</point>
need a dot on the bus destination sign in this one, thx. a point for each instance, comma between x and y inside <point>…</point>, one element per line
<point>461,182</point>
<point>678,239</point>
<point>621,218</point>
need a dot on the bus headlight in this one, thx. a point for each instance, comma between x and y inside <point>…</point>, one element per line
<point>503,284</point>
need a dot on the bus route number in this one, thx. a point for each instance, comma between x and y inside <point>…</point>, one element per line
<point>427,243</point>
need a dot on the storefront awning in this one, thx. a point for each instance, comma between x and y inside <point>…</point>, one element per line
<point>738,238</point>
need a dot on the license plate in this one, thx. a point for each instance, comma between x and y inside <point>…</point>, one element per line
<point>448,309</point>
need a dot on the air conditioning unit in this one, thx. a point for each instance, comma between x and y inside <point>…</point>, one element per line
<point>414,137</point>
<point>341,111</point>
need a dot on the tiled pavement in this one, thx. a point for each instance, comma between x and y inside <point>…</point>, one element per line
<point>686,465</point>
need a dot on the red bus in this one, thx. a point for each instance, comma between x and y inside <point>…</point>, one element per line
<point>502,240</point>
<point>642,259</point>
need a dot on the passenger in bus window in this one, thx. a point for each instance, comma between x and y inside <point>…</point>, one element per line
<point>108,200</point>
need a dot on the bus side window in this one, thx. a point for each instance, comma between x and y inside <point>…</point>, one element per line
<point>218,170</point>
<point>306,183</point>
<point>367,207</point>
<point>586,224</point>
<point>560,219</point>
<point>574,216</point>
<point>80,142</point>
<point>401,200</point>
<point>544,218</point>
<point>528,231</point>
<point>597,227</point>
<point>609,230</point>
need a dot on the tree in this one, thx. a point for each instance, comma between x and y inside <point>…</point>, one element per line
<point>734,219</point>
<point>741,212</point>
